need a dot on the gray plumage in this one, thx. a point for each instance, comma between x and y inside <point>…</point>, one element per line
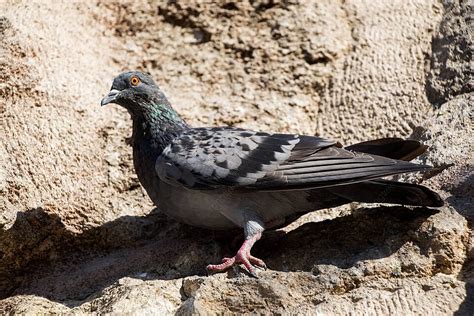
<point>225,177</point>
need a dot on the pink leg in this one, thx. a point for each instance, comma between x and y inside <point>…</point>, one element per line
<point>243,256</point>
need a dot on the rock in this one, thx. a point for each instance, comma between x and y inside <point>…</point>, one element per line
<point>79,236</point>
<point>134,297</point>
<point>451,70</point>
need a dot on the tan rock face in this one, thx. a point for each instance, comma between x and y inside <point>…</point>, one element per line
<point>77,233</point>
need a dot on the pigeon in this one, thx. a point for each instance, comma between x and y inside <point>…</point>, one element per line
<point>226,177</point>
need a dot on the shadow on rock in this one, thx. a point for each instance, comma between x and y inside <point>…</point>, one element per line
<point>462,198</point>
<point>366,234</point>
<point>467,275</point>
<point>41,256</point>
<point>463,201</point>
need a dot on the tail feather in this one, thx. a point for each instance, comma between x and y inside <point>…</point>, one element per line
<point>392,192</point>
<point>395,148</point>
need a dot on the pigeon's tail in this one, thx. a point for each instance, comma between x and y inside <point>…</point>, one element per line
<point>384,191</point>
<point>395,148</point>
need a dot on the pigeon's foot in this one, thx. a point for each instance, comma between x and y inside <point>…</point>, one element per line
<point>243,256</point>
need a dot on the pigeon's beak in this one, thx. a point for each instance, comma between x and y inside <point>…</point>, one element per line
<point>110,98</point>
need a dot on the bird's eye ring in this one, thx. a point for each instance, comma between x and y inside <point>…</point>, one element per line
<point>134,81</point>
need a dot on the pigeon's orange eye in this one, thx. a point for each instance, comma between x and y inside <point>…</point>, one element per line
<point>134,80</point>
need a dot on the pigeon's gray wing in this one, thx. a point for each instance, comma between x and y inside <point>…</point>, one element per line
<point>206,158</point>
<point>210,158</point>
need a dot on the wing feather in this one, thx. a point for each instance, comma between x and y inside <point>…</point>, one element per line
<point>212,158</point>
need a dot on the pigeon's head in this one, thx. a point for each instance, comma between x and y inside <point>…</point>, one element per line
<point>135,91</point>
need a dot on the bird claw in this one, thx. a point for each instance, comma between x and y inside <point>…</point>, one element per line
<point>252,273</point>
<point>256,262</point>
<point>263,268</point>
<point>249,263</point>
<point>244,257</point>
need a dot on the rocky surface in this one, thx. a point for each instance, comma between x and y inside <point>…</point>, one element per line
<point>79,236</point>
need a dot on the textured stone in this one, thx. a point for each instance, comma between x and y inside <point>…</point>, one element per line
<point>79,236</point>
